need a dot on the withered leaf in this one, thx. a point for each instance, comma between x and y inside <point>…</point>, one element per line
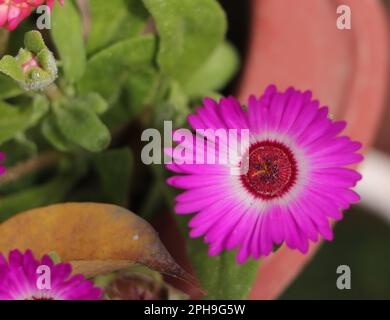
<point>96,238</point>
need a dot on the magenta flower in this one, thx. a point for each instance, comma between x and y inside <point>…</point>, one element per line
<point>12,12</point>
<point>295,180</point>
<point>19,280</point>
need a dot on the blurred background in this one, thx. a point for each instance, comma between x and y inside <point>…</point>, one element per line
<point>362,239</point>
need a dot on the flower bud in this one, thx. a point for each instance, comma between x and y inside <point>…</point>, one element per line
<point>34,68</point>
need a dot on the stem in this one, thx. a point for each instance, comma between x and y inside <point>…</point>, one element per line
<point>42,161</point>
<point>86,17</point>
<point>52,92</point>
<point>4,37</point>
<point>158,194</point>
<point>153,200</point>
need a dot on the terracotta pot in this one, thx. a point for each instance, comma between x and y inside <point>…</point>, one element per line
<point>297,43</point>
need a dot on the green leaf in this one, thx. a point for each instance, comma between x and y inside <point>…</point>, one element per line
<point>114,169</point>
<point>179,100</point>
<point>11,67</point>
<point>175,106</point>
<point>8,87</point>
<point>108,69</point>
<point>189,33</point>
<point>215,73</point>
<point>40,107</point>
<point>67,34</point>
<point>47,61</point>
<point>117,115</point>
<point>53,134</point>
<point>95,102</point>
<point>140,89</point>
<point>33,42</point>
<point>112,21</point>
<point>220,275</point>
<point>16,119</point>
<point>54,257</point>
<point>50,128</point>
<point>29,145</point>
<point>81,126</point>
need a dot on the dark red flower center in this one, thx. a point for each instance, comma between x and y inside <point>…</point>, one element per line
<point>272,170</point>
<point>41,298</point>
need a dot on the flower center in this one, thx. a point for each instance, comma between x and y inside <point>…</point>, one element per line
<point>41,298</point>
<point>272,170</point>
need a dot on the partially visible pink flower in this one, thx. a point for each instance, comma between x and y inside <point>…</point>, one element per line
<point>18,280</point>
<point>12,12</point>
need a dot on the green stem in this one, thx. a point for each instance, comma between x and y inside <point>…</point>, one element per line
<point>53,93</point>
<point>153,201</point>
<point>158,195</point>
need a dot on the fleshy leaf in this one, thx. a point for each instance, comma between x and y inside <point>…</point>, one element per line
<point>215,73</point>
<point>68,38</point>
<point>53,134</point>
<point>33,42</point>
<point>27,144</point>
<point>108,69</point>
<point>81,126</point>
<point>220,276</point>
<point>8,87</point>
<point>140,88</point>
<point>95,238</point>
<point>189,33</point>
<point>40,108</point>
<point>126,18</point>
<point>176,105</point>
<point>15,119</point>
<point>12,68</point>
<point>94,101</point>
